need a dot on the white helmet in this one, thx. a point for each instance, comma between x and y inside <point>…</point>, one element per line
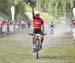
<point>37,13</point>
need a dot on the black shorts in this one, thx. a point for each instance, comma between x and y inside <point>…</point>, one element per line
<point>37,30</point>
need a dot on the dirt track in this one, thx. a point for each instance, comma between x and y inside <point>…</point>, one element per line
<point>23,39</point>
<point>61,38</point>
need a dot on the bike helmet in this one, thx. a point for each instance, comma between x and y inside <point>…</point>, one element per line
<point>37,13</point>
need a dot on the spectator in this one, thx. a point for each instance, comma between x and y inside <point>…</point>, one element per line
<point>22,22</point>
<point>28,24</point>
<point>7,25</point>
<point>1,24</point>
<point>73,28</point>
<point>25,23</point>
<point>51,27</point>
<point>11,27</point>
<point>17,25</point>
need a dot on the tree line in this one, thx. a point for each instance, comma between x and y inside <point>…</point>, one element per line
<point>52,7</point>
<point>56,7</point>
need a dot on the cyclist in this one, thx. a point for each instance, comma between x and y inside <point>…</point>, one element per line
<point>51,26</point>
<point>73,27</point>
<point>38,25</point>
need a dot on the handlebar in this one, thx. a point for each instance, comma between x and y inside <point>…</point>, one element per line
<point>32,34</point>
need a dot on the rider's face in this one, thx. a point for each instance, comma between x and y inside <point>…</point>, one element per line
<point>37,15</point>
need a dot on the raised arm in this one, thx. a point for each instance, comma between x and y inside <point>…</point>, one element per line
<point>33,11</point>
<point>42,28</point>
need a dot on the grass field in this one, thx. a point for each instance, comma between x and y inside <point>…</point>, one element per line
<point>17,54</point>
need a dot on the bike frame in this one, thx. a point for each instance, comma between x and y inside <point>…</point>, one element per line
<point>37,43</point>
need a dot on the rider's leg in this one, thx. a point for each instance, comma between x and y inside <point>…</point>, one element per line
<point>42,39</point>
<point>33,41</point>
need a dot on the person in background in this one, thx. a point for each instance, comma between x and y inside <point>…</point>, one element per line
<point>29,24</point>
<point>1,25</point>
<point>22,23</point>
<point>7,25</point>
<point>73,28</point>
<point>51,26</point>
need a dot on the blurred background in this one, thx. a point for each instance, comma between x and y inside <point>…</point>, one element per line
<point>53,8</point>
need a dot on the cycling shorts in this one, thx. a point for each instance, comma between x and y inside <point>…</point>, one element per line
<point>37,31</point>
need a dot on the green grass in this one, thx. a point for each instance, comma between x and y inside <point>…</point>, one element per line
<point>48,18</point>
<point>21,54</point>
<point>61,55</point>
<point>14,54</point>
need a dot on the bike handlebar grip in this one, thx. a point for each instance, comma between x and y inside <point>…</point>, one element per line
<point>30,34</point>
<point>33,34</point>
<point>45,34</point>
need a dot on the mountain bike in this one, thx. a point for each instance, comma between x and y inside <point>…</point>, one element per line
<point>37,43</point>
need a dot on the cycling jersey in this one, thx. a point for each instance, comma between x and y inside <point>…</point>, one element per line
<point>37,21</point>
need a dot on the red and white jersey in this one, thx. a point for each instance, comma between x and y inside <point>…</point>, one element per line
<point>37,21</point>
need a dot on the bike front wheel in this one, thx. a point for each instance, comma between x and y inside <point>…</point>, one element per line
<point>37,54</point>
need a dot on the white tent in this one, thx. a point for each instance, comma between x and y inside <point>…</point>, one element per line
<point>73,12</point>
